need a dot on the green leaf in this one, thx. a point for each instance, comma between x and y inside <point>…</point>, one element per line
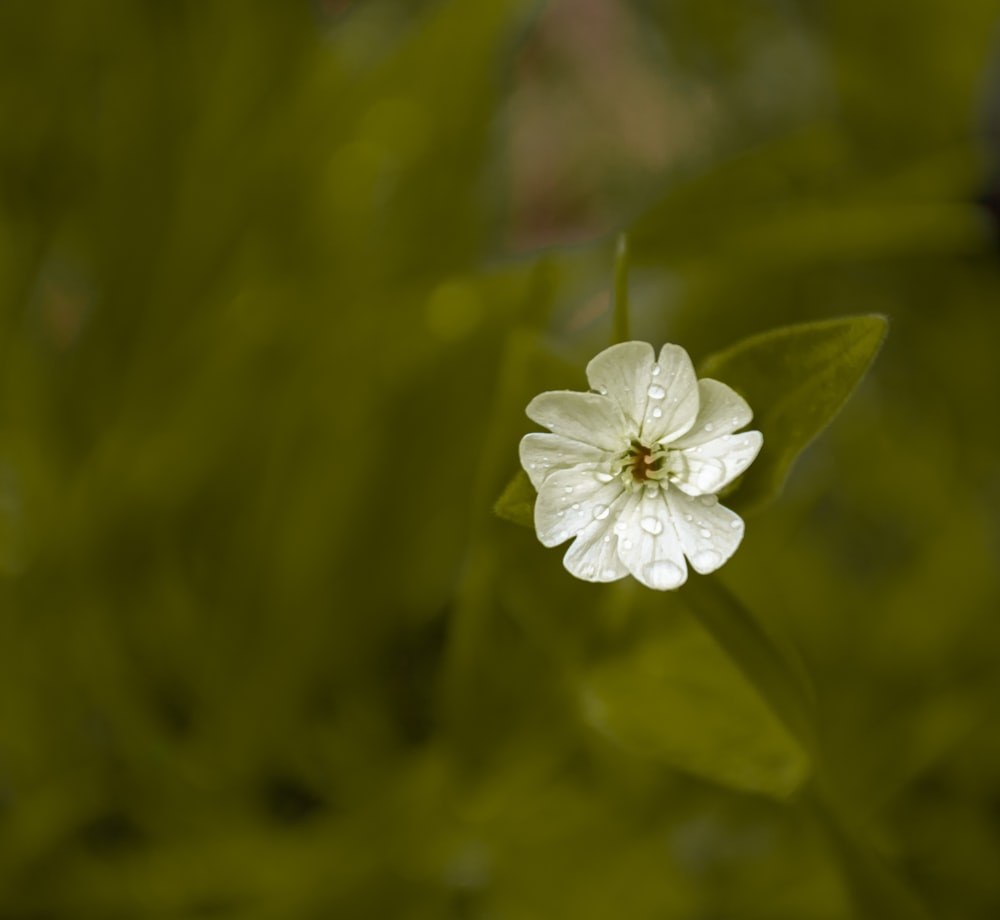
<point>796,379</point>
<point>517,503</point>
<point>677,698</point>
<point>772,667</point>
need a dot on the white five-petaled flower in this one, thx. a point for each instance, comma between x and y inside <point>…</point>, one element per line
<point>632,470</point>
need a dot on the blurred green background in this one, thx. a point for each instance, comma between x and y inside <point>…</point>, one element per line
<point>276,283</point>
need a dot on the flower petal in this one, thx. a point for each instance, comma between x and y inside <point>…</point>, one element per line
<point>585,417</point>
<point>672,406</point>
<point>721,411</point>
<point>593,555</point>
<point>543,453</point>
<point>623,373</point>
<point>709,533</point>
<point>715,464</point>
<point>648,543</point>
<point>569,500</point>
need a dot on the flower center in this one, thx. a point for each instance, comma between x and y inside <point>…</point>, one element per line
<point>655,466</point>
<point>644,462</point>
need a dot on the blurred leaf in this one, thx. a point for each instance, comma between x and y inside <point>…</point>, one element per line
<point>796,379</point>
<point>775,671</point>
<point>677,698</point>
<point>517,504</point>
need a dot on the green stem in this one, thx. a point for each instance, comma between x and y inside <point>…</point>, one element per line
<point>621,333</point>
<point>875,887</point>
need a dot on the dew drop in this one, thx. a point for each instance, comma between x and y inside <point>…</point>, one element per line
<point>688,517</point>
<point>651,525</point>
<point>707,560</point>
<point>569,489</point>
<point>656,391</point>
<point>621,527</point>
<point>736,525</point>
<point>727,437</point>
<point>601,512</point>
<point>560,513</point>
<point>626,544</point>
<point>603,477</point>
<point>663,574</point>
<point>657,412</point>
<point>656,370</point>
<point>710,427</point>
<point>608,574</point>
<point>652,490</point>
<point>705,532</point>
<point>576,506</point>
<point>744,443</point>
<point>607,538</point>
<point>589,571</point>
<point>709,500</point>
<point>603,391</point>
<point>532,466</point>
<point>736,420</point>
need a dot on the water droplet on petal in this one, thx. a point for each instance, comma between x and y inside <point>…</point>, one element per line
<point>608,574</point>
<point>656,370</point>
<point>705,532</point>
<point>745,443</point>
<point>707,560</point>
<point>663,574</point>
<point>589,571</point>
<point>736,420</point>
<point>626,543</point>
<point>560,513</point>
<point>651,525</point>
<point>607,538</point>
<point>709,500</point>
<point>603,391</point>
<point>621,527</point>
<point>601,512</point>
<point>710,476</point>
<point>532,466</point>
<point>709,427</point>
<point>657,412</point>
<point>576,506</point>
<point>736,525</point>
<point>688,517</point>
<point>569,489</point>
<point>603,477</point>
<point>656,391</point>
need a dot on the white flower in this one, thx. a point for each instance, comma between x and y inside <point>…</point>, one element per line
<point>632,470</point>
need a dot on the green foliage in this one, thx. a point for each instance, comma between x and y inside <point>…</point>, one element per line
<point>269,319</point>
<point>678,698</point>
<point>796,379</point>
<point>517,502</point>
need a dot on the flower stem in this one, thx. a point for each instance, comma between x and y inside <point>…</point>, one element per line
<point>621,333</point>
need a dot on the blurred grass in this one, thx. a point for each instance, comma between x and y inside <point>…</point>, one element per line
<point>264,353</point>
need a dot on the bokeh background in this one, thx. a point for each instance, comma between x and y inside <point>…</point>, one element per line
<point>276,283</point>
